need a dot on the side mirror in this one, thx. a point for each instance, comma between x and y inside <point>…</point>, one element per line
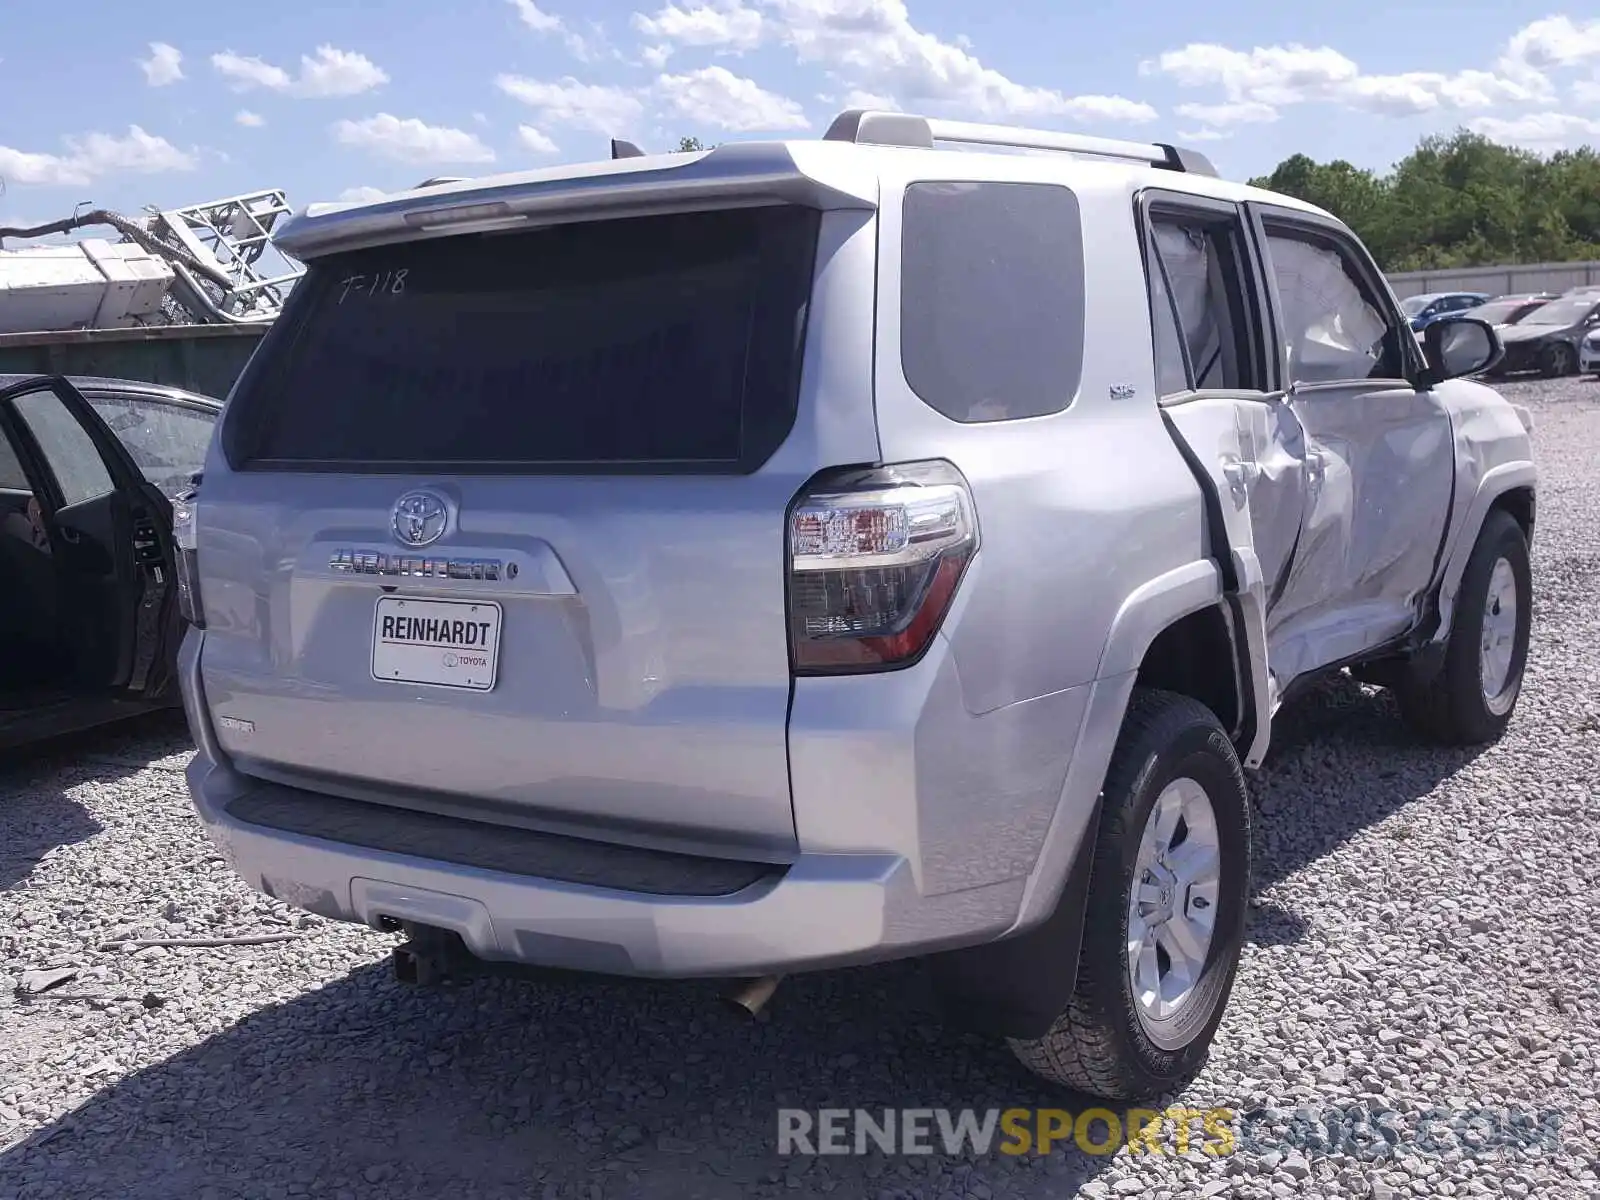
<point>1457,346</point>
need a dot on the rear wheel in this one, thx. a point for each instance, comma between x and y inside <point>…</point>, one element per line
<point>1165,916</point>
<point>1557,360</point>
<point>1471,700</point>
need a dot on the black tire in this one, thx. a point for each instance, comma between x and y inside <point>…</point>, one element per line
<point>1451,708</point>
<point>1099,1045</point>
<point>1556,360</point>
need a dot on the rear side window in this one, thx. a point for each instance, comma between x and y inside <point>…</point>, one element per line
<point>167,442</point>
<point>663,343</point>
<point>1193,276</point>
<point>991,298</point>
<point>12,476</point>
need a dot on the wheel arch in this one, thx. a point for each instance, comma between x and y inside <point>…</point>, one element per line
<point>1179,633</point>
<point>1511,487</point>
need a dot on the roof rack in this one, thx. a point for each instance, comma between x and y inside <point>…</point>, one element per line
<point>871,127</point>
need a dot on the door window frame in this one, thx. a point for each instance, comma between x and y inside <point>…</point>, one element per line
<point>1244,268</point>
<point>1263,219</point>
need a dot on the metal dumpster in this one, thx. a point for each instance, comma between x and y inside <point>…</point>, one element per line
<point>202,358</point>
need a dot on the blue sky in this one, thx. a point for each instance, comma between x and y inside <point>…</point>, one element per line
<point>179,102</point>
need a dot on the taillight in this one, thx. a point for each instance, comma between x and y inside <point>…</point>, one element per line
<point>875,557</point>
<point>185,510</point>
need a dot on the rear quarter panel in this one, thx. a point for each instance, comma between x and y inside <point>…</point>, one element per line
<point>1076,510</point>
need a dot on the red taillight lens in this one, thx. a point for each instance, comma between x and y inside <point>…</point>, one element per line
<point>875,557</point>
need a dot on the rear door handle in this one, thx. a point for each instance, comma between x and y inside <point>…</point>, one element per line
<point>69,535</point>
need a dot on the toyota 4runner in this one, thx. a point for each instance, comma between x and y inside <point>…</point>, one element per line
<point>799,554</point>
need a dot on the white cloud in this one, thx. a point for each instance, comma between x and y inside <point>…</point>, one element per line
<point>535,141</point>
<point>1553,42</point>
<point>536,18</point>
<point>246,72</point>
<point>585,48</point>
<point>856,98</point>
<point>872,45</point>
<point>249,119</point>
<point>1240,112</point>
<point>608,110</point>
<point>93,155</point>
<point>1539,130</point>
<point>329,72</point>
<point>1271,75</point>
<point>409,140</point>
<point>722,24</point>
<point>716,96</point>
<point>1283,75</point>
<point>362,195</point>
<point>164,66</point>
<point>1587,91</point>
<point>656,56</point>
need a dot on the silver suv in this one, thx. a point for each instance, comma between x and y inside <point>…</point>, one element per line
<point>800,554</point>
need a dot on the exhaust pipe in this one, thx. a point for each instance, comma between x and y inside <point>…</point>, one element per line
<point>753,994</point>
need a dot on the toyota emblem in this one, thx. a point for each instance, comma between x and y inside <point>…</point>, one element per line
<point>419,519</point>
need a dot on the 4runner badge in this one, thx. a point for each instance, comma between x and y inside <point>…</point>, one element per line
<point>1123,391</point>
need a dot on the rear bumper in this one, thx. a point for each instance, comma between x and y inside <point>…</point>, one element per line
<point>1589,356</point>
<point>828,908</point>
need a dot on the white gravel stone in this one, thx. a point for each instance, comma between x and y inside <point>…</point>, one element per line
<point>1421,939</point>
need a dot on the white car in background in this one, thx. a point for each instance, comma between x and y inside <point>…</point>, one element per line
<point>1589,354</point>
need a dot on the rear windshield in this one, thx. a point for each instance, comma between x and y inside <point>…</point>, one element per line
<point>649,343</point>
<point>1562,312</point>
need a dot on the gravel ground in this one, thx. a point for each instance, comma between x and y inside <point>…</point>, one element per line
<point>1421,939</point>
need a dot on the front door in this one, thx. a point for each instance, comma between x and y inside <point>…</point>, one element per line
<point>101,527</point>
<point>1215,377</point>
<point>1378,452</point>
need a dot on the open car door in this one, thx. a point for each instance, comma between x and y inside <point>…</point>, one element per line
<point>107,533</point>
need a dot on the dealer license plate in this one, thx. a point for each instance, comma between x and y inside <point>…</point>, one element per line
<point>441,643</point>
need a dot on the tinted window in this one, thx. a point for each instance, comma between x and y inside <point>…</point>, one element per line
<point>1172,370</point>
<point>166,441</point>
<point>1333,324</point>
<point>666,342</point>
<point>1195,261</point>
<point>12,475</point>
<point>1560,312</point>
<point>1498,312</point>
<point>991,298</point>
<point>68,450</point>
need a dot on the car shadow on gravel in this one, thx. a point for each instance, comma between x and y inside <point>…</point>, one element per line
<point>1341,760</point>
<point>577,1087</point>
<point>583,1087</point>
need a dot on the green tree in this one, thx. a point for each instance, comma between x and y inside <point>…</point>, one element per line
<point>1459,200</point>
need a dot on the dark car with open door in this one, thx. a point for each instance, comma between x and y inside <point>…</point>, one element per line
<point>89,621</point>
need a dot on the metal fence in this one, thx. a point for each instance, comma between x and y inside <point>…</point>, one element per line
<point>1498,281</point>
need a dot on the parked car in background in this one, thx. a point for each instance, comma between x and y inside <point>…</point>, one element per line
<point>1508,310</point>
<point>89,469</point>
<point>1589,353</point>
<point>1548,339</point>
<point>1423,310</point>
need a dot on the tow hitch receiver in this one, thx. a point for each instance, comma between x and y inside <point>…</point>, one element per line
<point>434,956</point>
